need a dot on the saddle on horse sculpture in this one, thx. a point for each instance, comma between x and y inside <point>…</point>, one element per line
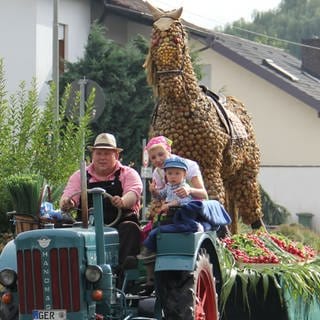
<point>231,121</point>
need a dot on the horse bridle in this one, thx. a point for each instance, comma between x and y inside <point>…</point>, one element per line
<point>168,72</point>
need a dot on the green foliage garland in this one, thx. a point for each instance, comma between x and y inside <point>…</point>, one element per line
<point>300,280</point>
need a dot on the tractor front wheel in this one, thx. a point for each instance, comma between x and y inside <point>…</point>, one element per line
<point>9,311</point>
<point>189,295</point>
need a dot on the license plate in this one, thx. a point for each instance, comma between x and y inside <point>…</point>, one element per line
<point>53,314</point>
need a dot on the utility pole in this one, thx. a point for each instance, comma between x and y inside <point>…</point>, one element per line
<point>146,173</point>
<point>55,56</point>
<point>144,180</point>
<point>84,196</point>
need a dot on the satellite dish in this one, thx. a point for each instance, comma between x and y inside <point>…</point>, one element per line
<point>73,108</point>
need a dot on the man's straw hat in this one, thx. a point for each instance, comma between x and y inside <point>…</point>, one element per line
<point>105,141</point>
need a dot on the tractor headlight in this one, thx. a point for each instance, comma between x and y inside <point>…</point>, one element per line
<point>8,277</point>
<point>93,273</point>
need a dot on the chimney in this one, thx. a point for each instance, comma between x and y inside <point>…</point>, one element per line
<point>311,57</point>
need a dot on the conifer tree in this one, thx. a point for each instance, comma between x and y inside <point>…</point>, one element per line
<point>128,99</point>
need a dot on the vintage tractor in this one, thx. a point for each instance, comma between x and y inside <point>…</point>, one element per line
<point>71,273</point>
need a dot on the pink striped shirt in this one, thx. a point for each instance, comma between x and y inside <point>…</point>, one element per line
<point>129,178</point>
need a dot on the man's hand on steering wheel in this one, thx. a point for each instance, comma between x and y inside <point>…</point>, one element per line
<point>117,201</point>
<point>66,204</point>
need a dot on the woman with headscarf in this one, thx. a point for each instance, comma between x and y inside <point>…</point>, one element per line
<point>159,149</point>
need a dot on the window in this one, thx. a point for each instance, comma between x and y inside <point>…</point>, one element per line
<point>61,38</point>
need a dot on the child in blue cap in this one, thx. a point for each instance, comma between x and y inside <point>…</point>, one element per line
<point>175,169</point>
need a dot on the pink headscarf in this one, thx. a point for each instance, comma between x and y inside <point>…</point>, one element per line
<point>159,141</point>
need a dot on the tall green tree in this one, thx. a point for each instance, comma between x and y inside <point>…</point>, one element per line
<point>292,20</point>
<point>128,99</point>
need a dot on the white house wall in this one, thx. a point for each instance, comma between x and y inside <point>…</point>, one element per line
<point>26,38</point>
<point>18,36</point>
<point>44,34</point>
<point>297,189</point>
<point>76,15</point>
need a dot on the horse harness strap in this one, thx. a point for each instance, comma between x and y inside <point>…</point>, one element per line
<point>178,71</point>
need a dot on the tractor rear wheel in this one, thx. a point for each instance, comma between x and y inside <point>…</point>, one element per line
<point>189,295</point>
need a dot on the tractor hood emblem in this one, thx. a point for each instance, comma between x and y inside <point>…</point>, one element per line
<point>44,242</point>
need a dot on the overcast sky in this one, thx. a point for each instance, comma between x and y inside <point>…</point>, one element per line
<point>212,13</point>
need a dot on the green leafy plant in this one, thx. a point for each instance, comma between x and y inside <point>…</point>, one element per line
<point>35,140</point>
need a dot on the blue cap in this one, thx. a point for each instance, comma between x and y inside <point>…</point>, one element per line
<point>175,162</point>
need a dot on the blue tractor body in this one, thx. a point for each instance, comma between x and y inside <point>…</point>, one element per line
<point>51,265</point>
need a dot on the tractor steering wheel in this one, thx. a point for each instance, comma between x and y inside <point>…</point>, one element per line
<point>119,214</point>
<point>105,195</point>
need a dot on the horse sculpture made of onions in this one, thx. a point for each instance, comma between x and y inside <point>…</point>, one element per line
<point>228,155</point>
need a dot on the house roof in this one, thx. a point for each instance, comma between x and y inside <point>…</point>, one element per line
<point>272,64</point>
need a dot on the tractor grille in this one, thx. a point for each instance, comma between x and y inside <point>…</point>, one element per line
<point>48,280</point>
